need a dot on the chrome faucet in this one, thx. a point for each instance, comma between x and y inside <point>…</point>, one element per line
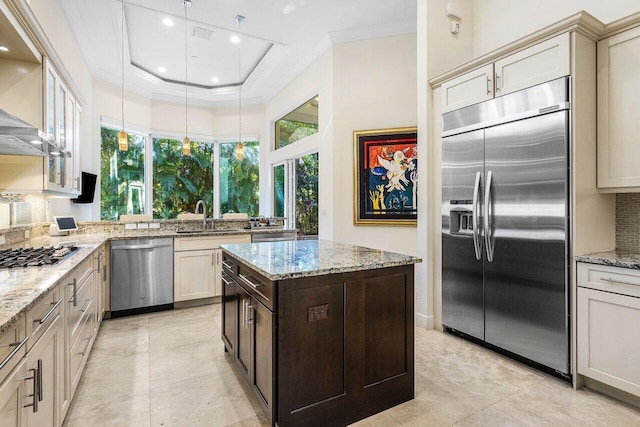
<point>204,212</point>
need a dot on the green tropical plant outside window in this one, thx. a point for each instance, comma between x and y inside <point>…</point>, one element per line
<point>307,195</point>
<point>121,176</point>
<point>239,178</point>
<point>179,181</point>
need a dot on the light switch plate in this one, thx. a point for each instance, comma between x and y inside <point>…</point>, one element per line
<point>27,233</point>
<point>154,225</point>
<point>130,227</point>
<point>143,225</point>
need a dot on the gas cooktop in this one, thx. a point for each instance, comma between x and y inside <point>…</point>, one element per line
<point>35,257</point>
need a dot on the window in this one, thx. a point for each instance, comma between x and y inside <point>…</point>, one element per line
<point>278,191</point>
<point>180,181</point>
<point>223,174</point>
<point>298,124</point>
<point>238,183</point>
<point>121,175</point>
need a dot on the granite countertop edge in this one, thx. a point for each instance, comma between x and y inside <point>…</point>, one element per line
<point>17,299</point>
<point>614,258</point>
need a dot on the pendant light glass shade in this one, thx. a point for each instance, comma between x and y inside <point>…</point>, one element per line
<point>123,141</point>
<point>186,147</point>
<point>240,151</point>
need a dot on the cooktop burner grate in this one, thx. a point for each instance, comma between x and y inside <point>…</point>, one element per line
<point>35,257</point>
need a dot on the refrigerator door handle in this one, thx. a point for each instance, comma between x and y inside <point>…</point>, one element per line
<point>477,243</point>
<point>488,215</point>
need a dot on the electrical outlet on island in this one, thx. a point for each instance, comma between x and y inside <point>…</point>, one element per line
<point>27,233</point>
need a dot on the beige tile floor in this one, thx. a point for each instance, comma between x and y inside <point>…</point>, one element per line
<point>169,369</point>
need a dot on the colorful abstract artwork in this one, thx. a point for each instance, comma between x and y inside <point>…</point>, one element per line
<point>386,178</point>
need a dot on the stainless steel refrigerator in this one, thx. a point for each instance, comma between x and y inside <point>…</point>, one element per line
<point>505,223</point>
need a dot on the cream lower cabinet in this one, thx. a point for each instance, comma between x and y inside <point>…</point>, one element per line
<point>540,63</point>
<point>618,126</point>
<point>14,395</point>
<point>608,344</point>
<point>197,266</point>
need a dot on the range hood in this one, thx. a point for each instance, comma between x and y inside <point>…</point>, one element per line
<point>18,137</point>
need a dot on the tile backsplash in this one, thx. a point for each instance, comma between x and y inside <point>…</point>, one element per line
<point>628,221</point>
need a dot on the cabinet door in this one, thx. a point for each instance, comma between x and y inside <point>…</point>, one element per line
<point>618,127</point>
<point>14,392</point>
<point>194,275</point>
<point>608,341</point>
<point>471,88</point>
<point>541,63</point>
<point>45,359</point>
<point>229,313</point>
<point>262,319</point>
<point>243,346</point>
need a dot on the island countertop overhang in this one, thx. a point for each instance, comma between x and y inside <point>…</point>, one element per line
<point>305,258</point>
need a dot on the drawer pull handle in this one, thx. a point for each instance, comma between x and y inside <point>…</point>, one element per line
<point>49,313</point>
<point>86,346</point>
<point>227,265</point>
<point>250,283</point>
<point>622,282</point>
<point>18,346</point>
<point>74,298</point>
<point>226,282</point>
<point>36,392</point>
<point>87,303</point>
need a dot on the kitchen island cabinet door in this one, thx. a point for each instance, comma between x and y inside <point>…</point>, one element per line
<point>243,346</point>
<point>262,322</point>
<point>229,313</point>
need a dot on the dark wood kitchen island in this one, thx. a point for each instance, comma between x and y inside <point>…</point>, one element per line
<point>322,332</point>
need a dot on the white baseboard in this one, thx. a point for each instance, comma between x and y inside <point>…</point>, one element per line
<point>424,321</point>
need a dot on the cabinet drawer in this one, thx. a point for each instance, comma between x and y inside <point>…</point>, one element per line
<point>43,314</point>
<point>207,242</point>
<point>78,307</point>
<point>625,281</point>
<point>80,351</point>
<point>229,265</point>
<point>258,286</point>
<point>13,346</point>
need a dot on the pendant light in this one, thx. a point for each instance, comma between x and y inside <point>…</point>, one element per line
<point>239,152</point>
<point>186,143</point>
<point>123,138</point>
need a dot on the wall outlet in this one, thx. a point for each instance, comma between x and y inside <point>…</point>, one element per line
<point>130,226</point>
<point>143,225</point>
<point>27,233</point>
<point>2,239</point>
<point>154,225</point>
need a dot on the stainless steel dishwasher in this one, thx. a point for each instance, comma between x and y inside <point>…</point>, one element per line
<point>141,276</point>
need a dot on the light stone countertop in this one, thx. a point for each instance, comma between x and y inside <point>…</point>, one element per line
<point>21,289</point>
<point>615,258</point>
<point>302,258</point>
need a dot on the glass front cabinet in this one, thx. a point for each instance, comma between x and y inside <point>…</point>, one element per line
<point>62,123</point>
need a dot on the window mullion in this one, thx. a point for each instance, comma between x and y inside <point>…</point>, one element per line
<point>148,175</point>
<point>216,180</point>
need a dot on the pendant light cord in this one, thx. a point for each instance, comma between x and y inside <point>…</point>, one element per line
<point>240,18</point>
<point>186,89</point>
<point>122,49</point>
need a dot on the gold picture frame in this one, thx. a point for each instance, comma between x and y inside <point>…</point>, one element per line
<point>385,176</point>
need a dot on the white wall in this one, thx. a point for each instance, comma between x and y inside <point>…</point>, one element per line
<point>499,22</point>
<point>317,79</point>
<point>374,88</point>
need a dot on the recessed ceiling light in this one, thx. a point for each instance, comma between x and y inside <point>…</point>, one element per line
<point>215,80</point>
<point>168,22</point>
<point>162,70</point>
<point>235,39</point>
<point>36,142</point>
<point>4,48</point>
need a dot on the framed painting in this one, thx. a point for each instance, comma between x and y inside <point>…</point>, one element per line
<point>386,176</point>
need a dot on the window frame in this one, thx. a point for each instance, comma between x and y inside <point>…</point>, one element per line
<point>150,135</point>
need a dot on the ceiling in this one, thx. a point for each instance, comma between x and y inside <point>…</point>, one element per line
<point>279,39</point>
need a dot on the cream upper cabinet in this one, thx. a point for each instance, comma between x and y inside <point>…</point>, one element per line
<point>608,304</point>
<point>618,106</point>
<point>545,61</point>
<point>540,63</point>
<point>467,89</point>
